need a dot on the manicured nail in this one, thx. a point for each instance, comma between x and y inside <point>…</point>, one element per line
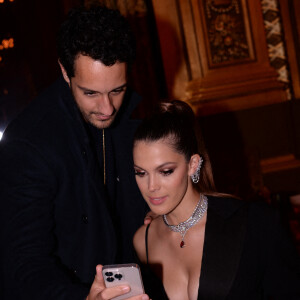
<point>145,297</point>
<point>125,288</point>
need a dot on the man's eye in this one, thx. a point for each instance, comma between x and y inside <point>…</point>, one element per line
<point>139,173</point>
<point>89,93</point>
<point>117,91</point>
<point>167,172</point>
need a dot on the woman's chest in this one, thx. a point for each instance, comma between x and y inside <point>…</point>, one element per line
<point>178,268</point>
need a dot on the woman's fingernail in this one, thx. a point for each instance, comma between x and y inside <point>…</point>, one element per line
<point>125,288</point>
<point>145,297</point>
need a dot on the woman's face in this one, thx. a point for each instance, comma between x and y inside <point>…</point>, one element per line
<point>162,175</point>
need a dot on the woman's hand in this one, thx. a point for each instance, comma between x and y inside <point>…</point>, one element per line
<point>149,217</point>
<point>98,290</point>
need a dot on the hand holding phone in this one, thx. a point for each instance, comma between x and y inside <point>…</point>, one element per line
<point>124,274</point>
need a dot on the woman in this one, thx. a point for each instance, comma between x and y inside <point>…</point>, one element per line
<point>203,245</point>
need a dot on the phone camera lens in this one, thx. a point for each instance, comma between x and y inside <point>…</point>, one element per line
<point>118,276</point>
<point>108,273</point>
<point>110,279</point>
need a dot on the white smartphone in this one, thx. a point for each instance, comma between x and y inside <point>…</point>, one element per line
<point>129,274</point>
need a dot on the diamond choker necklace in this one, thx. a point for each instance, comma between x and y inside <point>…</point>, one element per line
<point>196,216</point>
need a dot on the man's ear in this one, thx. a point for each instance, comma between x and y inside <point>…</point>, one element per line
<point>64,73</point>
<point>193,164</point>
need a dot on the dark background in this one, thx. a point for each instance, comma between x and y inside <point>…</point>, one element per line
<point>31,65</point>
<point>236,141</point>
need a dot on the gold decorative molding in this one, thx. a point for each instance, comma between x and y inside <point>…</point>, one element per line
<point>279,163</point>
<point>221,52</point>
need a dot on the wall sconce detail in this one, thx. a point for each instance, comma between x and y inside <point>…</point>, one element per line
<point>7,43</point>
<point>2,1</point>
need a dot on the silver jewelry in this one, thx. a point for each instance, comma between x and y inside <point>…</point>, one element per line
<point>196,176</point>
<point>196,216</point>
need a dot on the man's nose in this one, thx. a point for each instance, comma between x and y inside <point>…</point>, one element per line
<point>106,106</point>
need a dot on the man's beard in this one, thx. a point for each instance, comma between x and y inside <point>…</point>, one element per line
<point>100,124</point>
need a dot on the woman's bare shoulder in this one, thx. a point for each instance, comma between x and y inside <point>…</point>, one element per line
<point>139,243</point>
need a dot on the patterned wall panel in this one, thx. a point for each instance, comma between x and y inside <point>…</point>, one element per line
<point>275,41</point>
<point>227,36</point>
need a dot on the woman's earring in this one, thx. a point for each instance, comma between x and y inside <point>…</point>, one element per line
<point>196,176</point>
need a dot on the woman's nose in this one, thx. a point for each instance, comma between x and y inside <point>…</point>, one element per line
<point>153,184</point>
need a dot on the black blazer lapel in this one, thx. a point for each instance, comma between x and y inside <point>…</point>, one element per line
<point>224,236</point>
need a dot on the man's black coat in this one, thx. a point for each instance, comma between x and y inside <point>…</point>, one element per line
<point>56,222</point>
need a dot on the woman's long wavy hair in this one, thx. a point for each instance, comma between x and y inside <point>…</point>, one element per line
<point>175,123</point>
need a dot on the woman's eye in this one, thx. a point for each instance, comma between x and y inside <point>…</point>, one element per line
<point>167,172</point>
<point>139,173</point>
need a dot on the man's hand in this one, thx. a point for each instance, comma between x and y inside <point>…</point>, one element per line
<point>98,290</point>
<point>149,217</point>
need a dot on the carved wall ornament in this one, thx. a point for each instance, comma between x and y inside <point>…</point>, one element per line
<point>275,41</point>
<point>227,37</point>
<point>210,6</point>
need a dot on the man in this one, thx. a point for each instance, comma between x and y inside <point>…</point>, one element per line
<point>68,195</point>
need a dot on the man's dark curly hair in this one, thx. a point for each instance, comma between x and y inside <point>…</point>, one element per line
<point>98,32</point>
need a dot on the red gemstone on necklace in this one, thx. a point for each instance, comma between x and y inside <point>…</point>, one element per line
<point>182,244</point>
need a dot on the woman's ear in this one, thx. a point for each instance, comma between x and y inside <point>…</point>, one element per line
<point>194,163</point>
<point>64,73</point>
